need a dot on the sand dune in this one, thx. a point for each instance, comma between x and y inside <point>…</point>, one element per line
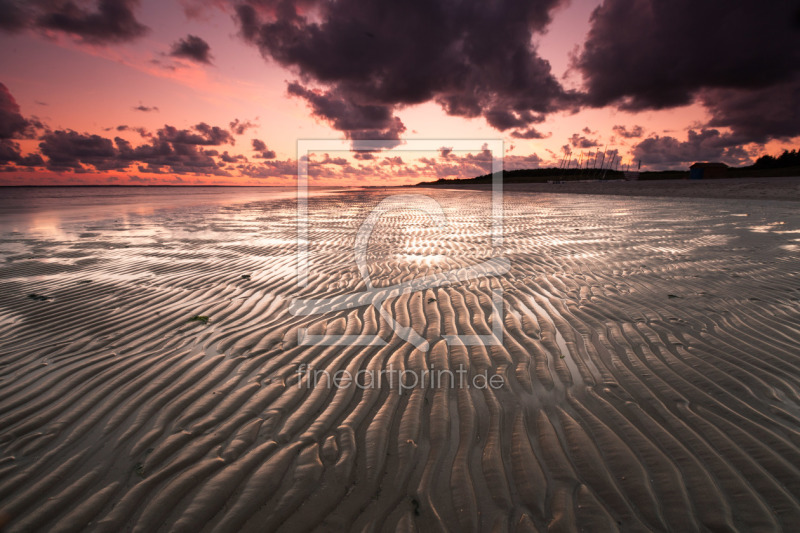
<point>650,364</point>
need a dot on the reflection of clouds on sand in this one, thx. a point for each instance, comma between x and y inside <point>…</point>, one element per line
<point>60,212</point>
<point>421,259</point>
<point>765,228</point>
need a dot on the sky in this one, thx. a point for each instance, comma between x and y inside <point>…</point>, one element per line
<point>218,92</point>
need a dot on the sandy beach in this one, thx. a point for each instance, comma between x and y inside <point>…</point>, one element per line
<point>647,352</point>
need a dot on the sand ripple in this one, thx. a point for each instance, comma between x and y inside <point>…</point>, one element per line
<point>650,361</point>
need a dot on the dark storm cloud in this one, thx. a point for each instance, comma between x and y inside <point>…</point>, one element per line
<point>12,123</point>
<point>192,47</point>
<point>15,15</point>
<point>633,133</point>
<point>259,145</point>
<point>703,145</point>
<point>14,126</point>
<point>358,122</point>
<point>756,115</point>
<point>651,54</point>
<point>739,59</point>
<point>103,21</point>
<point>473,58</point>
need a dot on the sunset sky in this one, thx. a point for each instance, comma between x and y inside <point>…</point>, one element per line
<point>219,91</point>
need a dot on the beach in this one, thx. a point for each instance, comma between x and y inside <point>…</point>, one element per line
<point>619,363</point>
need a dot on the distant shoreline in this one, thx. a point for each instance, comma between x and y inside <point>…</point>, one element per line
<point>118,186</point>
<point>775,188</point>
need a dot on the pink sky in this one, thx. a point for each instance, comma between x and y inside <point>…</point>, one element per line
<point>94,89</point>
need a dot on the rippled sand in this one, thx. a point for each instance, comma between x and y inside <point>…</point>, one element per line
<point>650,358</point>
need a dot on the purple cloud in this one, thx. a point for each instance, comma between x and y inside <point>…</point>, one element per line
<point>193,48</point>
<point>107,21</point>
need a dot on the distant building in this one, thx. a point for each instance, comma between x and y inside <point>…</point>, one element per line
<point>700,171</point>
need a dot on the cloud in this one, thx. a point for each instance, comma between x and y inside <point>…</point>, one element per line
<point>12,123</point>
<point>392,161</point>
<point>193,48</point>
<point>516,162</point>
<point>138,129</point>
<point>651,54</point>
<point>703,145</point>
<point>472,58</point>
<point>265,153</point>
<point>448,164</point>
<point>170,150</point>
<point>239,127</point>
<point>227,158</point>
<point>529,133</point>
<point>69,150</point>
<point>328,160</point>
<point>200,134</point>
<point>579,141</point>
<point>106,21</point>
<point>633,133</point>
<point>10,153</point>
<point>358,122</point>
<point>270,169</point>
<point>144,108</point>
<point>758,114</point>
<point>14,126</point>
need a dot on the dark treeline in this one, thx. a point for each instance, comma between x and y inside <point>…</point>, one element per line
<point>539,175</point>
<point>786,164</point>
<point>785,160</point>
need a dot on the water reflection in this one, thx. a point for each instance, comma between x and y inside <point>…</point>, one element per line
<point>72,213</point>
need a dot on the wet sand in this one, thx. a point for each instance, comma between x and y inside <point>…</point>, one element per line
<point>650,360</point>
